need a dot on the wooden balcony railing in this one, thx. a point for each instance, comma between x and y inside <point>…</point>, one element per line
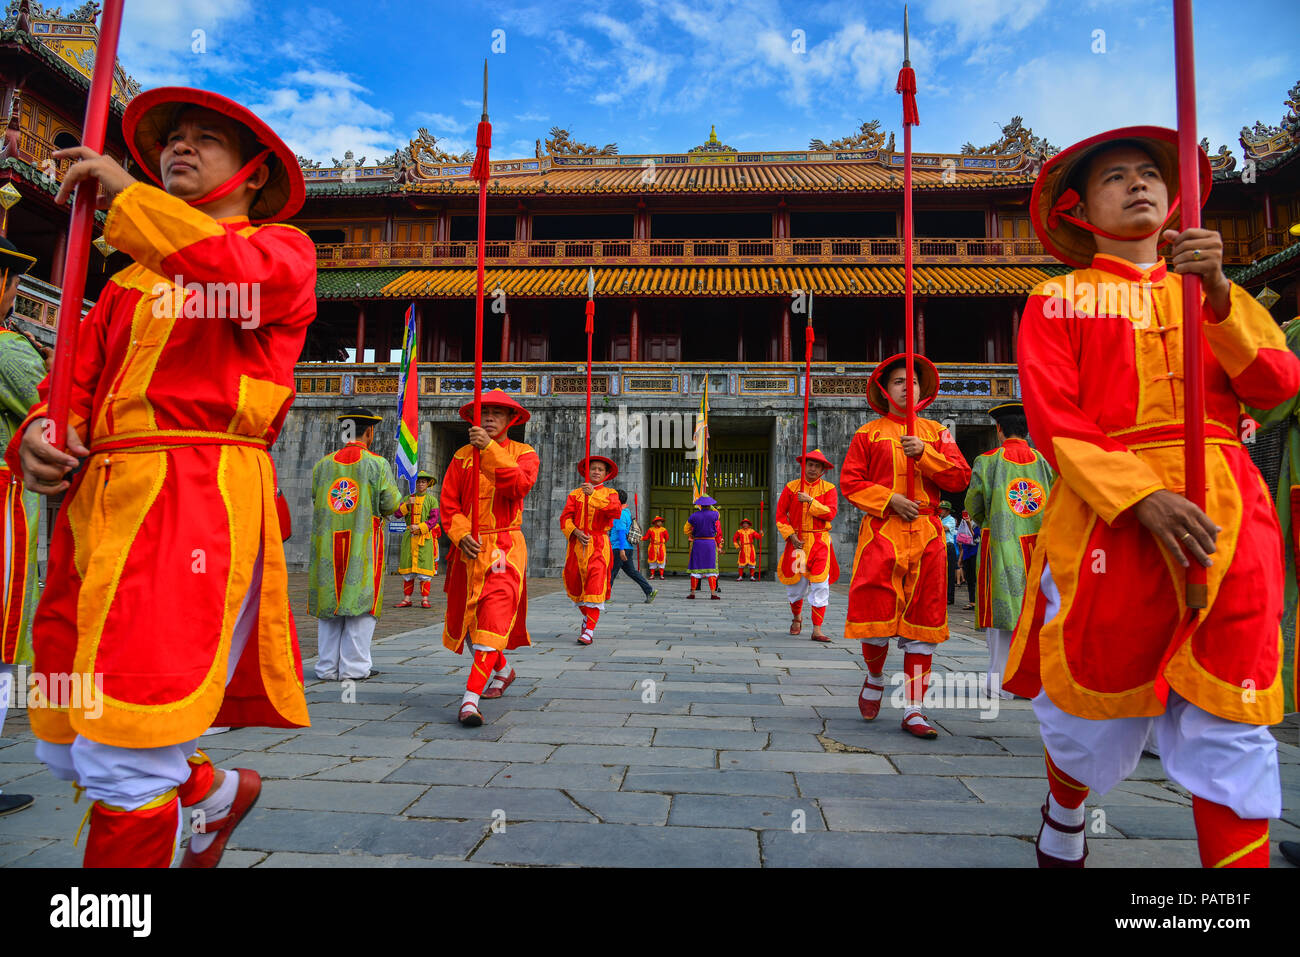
<point>36,151</point>
<point>698,252</point>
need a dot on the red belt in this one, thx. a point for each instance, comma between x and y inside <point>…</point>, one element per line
<point>1173,434</point>
<point>157,440</point>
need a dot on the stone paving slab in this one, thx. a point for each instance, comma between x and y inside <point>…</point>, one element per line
<point>747,750</point>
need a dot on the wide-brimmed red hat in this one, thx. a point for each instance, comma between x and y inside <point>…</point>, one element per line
<point>1053,197</point>
<point>657,518</point>
<point>926,374</point>
<point>147,122</point>
<point>503,399</point>
<point>609,464</point>
<point>815,456</point>
<point>745,521</point>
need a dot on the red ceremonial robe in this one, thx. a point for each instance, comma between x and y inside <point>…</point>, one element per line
<point>178,394</point>
<point>1102,377</point>
<point>900,569</point>
<point>487,599</point>
<point>587,567</point>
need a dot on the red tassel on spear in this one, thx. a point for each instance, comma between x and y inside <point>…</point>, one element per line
<point>1189,187</point>
<point>81,227</point>
<point>907,86</point>
<point>481,171</point>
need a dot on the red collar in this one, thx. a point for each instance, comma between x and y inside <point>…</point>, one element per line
<point>1127,270</point>
<point>1015,440</point>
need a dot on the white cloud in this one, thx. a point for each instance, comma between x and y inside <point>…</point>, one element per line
<point>977,19</point>
<point>441,122</point>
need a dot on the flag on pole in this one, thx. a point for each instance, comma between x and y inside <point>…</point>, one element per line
<point>700,481</point>
<point>408,407</point>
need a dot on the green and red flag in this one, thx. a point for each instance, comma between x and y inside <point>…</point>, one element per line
<point>408,407</point>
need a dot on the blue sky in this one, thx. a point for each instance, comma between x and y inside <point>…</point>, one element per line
<point>652,76</point>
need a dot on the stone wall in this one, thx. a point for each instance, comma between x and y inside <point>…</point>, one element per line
<point>556,430</point>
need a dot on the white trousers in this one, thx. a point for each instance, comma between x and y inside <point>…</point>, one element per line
<point>413,576</point>
<point>999,642</point>
<point>1227,762</point>
<point>6,693</point>
<point>908,645</point>
<point>817,593</point>
<point>131,777</point>
<point>343,646</point>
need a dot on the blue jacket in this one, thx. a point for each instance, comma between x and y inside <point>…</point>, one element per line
<point>618,530</point>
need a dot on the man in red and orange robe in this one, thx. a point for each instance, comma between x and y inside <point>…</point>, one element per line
<point>808,567</point>
<point>746,540</point>
<point>166,600</point>
<point>588,513</point>
<point>656,553</point>
<point>487,575</point>
<point>1105,644</point>
<point>900,569</point>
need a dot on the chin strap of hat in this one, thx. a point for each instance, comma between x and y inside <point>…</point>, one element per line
<point>232,184</point>
<point>1071,198</point>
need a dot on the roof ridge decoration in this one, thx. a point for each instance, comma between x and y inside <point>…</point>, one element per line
<point>1266,142</point>
<point>1222,161</point>
<point>713,144</point>
<point>72,37</point>
<point>868,137</point>
<point>1015,138</point>
<point>558,143</point>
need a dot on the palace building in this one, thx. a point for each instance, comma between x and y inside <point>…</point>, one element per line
<point>705,262</point>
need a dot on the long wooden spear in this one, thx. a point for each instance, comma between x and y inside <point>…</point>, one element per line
<point>808,339</point>
<point>1193,374</point>
<point>481,171</point>
<point>93,132</point>
<point>907,86</point>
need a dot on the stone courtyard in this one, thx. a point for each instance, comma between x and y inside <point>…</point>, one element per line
<point>690,734</point>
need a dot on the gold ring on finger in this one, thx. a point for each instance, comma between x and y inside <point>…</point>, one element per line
<point>1196,254</point>
<point>1185,536</point>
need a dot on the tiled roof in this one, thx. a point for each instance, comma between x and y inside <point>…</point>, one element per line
<point>545,282</point>
<point>819,177</point>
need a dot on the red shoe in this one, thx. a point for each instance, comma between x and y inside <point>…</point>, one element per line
<point>424,604</point>
<point>246,794</point>
<point>820,638</point>
<point>691,595</point>
<point>919,728</point>
<point>796,626</point>
<point>494,690</point>
<point>740,578</point>
<point>404,603</point>
<point>1047,860</point>
<point>714,596</point>
<point>470,716</point>
<point>585,638</point>
<point>869,709</point>
<point>753,578</point>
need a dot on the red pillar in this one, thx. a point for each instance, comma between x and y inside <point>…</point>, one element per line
<point>60,253</point>
<point>505,337</point>
<point>920,326</point>
<point>635,348</point>
<point>1015,332</point>
<point>786,352</point>
<point>419,327</point>
<point>361,332</point>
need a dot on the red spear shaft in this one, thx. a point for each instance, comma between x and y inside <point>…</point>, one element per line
<point>808,339</point>
<point>591,328</point>
<point>907,87</point>
<point>81,227</point>
<point>636,513</point>
<point>759,556</point>
<point>1193,374</point>
<point>481,171</point>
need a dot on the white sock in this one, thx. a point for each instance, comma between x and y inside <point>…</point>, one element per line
<point>1067,847</point>
<point>470,698</point>
<point>913,715</point>
<point>214,807</point>
<point>876,693</point>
